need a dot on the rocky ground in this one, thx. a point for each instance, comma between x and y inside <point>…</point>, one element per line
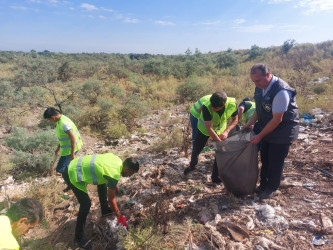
<point>299,216</point>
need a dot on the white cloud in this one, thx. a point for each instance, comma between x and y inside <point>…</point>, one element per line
<point>88,7</point>
<point>131,20</point>
<point>239,21</point>
<point>210,23</point>
<point>310,6</point>
<point>164,23</point>
<point>102,17</point>
<point>105,9</point>
<point>259,28</point>
<point>18,7</point>
<point>315,5</point>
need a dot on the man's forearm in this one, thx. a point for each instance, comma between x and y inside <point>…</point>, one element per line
<point>232,124</point>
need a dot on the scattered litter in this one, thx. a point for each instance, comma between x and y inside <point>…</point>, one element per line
<point>192,199</point>
<point>206,149</point>
<point>268,244</point>
<point>326,222</point>
<point>309,184</point>
<point>239,234</point>
<point>250,224</point>
<point>304,224</point>
<point>266,211</point>
<point>319,241</point>
<point>266,231</point>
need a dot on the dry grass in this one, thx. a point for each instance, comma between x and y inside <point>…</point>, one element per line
<point>47,193</point>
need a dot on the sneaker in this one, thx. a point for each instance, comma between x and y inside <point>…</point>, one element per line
<point>187,170</point>
<point>84,243</point>
<point>266,194</point>
<point>106,212</point>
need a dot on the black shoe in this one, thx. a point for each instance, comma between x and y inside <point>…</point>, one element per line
<point>259,190</point>
<point>84,243</point>
<point>106,212</point>
<point>216,180</point>
<point>266,194</point>
<point>187,170</point>
<point>66,189</point>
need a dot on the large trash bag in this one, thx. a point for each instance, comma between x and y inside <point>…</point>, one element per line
<point>237,162</point>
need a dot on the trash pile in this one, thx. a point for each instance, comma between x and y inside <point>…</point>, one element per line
<point>299,216</point>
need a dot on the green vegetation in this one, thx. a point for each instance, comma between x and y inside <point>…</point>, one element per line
<point>105,94</point>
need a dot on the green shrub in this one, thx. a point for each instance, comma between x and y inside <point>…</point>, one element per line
<point>191,90</point>
<point>34,151</point>
<point>116,131</point>
<point>145,236</point>
<point>169,140</point>
<point>132,109</point>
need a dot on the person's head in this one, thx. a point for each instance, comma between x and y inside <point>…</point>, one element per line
<point>52,114</point>
<point>130,167</point>
<point>218,100</point>
<point>24,215</point>
<point>260,75</point>
<point>247,99</point>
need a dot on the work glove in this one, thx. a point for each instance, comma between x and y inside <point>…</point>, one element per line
<point>122,220</point>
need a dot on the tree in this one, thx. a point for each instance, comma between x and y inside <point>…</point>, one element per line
<point>188,52</point>
<point>64,72</point>
<point>287,45</point>
<point>226,60</point>
<point>254,52</point>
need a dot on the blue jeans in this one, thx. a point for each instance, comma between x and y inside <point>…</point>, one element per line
<point>63,163</point>
<point>194,125</point>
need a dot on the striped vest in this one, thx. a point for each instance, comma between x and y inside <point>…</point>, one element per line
<point>219,122</point>
<point>91,169</point>
<point>196,108</point>
<point>64,140</point>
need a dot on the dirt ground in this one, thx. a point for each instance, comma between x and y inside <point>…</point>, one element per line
<point>301,209</point>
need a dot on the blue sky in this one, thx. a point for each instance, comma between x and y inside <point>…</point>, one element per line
<point>160,26</point>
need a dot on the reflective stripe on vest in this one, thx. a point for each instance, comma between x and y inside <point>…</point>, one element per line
<point>219,122</point>
<point>196,106</point>
<point>92,169</point>
<point>64,140</point>
<point>248,114</point>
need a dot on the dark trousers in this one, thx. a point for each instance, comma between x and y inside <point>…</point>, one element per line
<point>272,159</point>
<point>194,125</point>
<point>85,204</point>
<point>198,145</point>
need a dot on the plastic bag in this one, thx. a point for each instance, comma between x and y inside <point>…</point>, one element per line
<point>237,162</point>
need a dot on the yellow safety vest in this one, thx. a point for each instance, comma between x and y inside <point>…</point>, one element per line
<point>195,108</point>
<point>7,240</point>
<point>249,113</point>
<point>219,122</point>
<point>91,169</point>
<point>64,140</point>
